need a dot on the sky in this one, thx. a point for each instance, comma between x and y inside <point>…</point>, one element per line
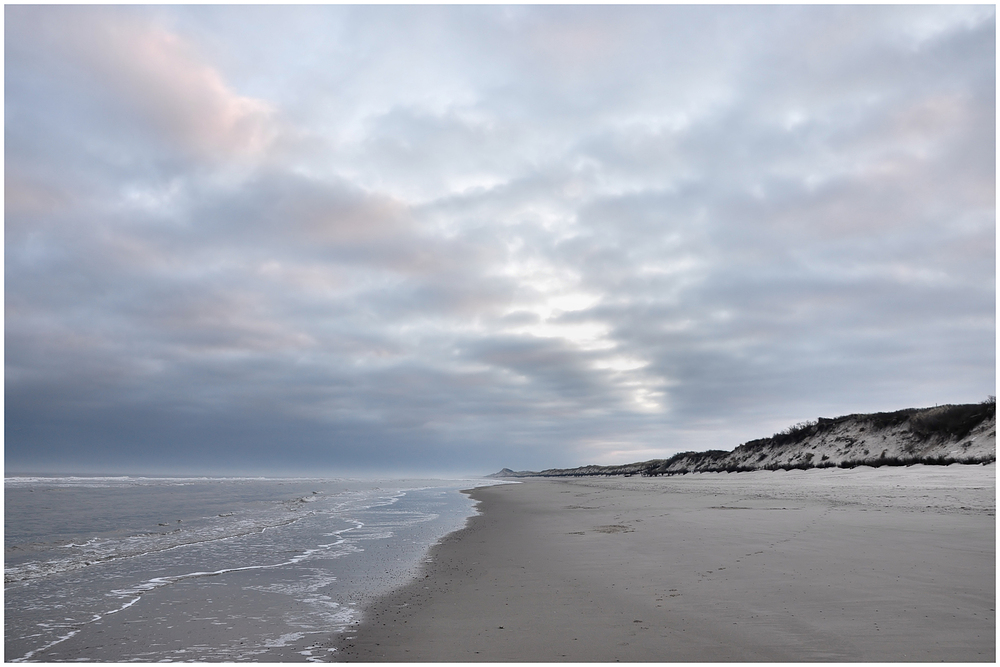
<point>392,239</point>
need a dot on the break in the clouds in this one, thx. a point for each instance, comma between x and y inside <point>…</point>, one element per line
<point>349,238</point>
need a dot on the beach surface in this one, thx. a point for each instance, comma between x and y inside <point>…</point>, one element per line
<point>886,564</point>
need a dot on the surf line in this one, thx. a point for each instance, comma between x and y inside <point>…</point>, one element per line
<point>29,571</point>
<point>158,582</point>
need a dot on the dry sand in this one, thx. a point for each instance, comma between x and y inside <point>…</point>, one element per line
<point>887,564</point>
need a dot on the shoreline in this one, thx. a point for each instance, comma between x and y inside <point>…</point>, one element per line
<point>252,570</point>
<point>802,566</point>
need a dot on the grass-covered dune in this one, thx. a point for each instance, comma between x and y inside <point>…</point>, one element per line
<point>940,435</point>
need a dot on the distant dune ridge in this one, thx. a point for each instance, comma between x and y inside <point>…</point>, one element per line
<point>940,435</point>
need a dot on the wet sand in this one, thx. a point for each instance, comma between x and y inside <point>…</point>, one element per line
<point>888,564</point>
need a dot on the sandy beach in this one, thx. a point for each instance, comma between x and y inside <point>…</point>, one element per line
<point>887,564</point>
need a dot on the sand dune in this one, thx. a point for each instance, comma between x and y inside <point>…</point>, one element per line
<point>888,564</point>
<point>940,435</point>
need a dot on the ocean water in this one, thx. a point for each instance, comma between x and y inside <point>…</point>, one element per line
<point>208,569</point>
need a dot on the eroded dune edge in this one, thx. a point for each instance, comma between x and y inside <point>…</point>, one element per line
<point>936,436</point>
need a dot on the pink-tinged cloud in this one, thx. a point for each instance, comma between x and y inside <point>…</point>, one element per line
<point>159,77</point>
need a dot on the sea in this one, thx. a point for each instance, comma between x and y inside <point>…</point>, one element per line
<point>162,569</point>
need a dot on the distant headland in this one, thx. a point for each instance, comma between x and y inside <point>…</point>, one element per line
<point>938,436</point>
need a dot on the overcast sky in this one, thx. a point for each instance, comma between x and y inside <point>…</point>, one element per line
<point>451,239</point>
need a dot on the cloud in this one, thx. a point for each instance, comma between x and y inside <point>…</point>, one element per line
<point>463,238</point>
<point>144,74</point>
